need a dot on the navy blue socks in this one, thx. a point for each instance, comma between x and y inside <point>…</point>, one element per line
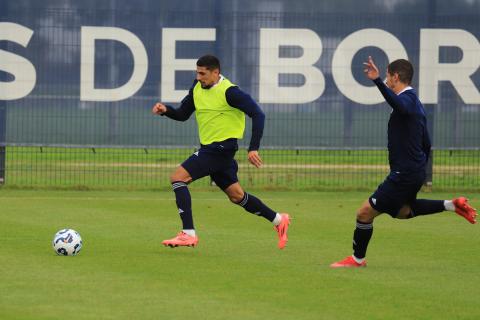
<point>184,204</point>
<point>361,236</point>
<point>253,205</point>
<point>421,207</point>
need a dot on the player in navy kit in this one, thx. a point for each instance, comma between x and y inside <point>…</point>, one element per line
<point>408,151</point>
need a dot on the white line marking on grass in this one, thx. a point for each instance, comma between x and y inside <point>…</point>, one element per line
<point>120,198</point>
<point>151,199</point>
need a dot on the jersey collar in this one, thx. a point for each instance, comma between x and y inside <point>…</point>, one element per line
<point>219,80</point>
<point>405,89</point>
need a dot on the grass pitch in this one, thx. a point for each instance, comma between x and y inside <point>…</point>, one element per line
<point>424,268</point>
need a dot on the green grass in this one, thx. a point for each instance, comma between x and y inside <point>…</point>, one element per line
<point>418,269</point>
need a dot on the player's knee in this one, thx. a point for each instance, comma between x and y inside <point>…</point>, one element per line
<point>235,197</point>
<point>235,193</point>
<point>176,176</point>
<point>365,214</point>
<point>405,213</point>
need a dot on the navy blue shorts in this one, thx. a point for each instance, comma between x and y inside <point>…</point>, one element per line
<point>215,160</point>
<point>397,190</point>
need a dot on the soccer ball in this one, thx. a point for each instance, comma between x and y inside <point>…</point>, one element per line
<point>67,242</point>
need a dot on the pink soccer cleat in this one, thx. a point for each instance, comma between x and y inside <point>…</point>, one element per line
<point>181,240</point>
<point>464,209</point>
<point>348,262</point>
<point>282,229</point>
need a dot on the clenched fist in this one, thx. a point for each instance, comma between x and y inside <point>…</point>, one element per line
<point>159,108</point>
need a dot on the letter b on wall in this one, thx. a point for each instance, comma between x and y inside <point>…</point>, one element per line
<point>272,65</point>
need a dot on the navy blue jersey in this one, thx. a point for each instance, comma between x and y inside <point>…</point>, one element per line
<point>408,139</point>
<point>236,98</point>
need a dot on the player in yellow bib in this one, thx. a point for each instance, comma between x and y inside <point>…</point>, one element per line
<point>220,109</point>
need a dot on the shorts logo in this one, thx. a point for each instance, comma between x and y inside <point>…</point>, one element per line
<point>196,153</point>
<point>374,201</point>
<point>180,211</point>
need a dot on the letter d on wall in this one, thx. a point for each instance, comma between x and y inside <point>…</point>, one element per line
<point>87,68</point>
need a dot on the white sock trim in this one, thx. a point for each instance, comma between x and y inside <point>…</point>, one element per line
<point>449,206</point>
<point>190,232</point>
<point>357,260</point>
<point>277,220</point>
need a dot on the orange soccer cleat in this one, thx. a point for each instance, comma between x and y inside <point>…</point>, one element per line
<point>181,240</point>
<point>348,262</point>
<point>462,208</point>
<point>282,229</point>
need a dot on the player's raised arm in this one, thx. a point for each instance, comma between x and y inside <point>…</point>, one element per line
<point>400,103</point>
<point>389,89</point>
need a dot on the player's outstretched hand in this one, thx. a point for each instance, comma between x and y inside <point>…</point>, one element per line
<point>371,70</point>
<point>159,108</point>
<point>254,158</point>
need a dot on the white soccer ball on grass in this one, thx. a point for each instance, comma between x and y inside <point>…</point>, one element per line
<point>67,242</point>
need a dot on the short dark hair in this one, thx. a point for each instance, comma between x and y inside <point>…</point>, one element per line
<point>403,68</point>
<point>209,61</point>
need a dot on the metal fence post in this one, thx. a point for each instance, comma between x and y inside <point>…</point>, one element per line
<point>430,108</point>
<point>3,105</point>
<point>430,114</point>
<point>3,130</point>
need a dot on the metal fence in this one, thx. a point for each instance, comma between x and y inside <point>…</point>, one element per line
<point>300,169</point>
<point>67,132</point>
